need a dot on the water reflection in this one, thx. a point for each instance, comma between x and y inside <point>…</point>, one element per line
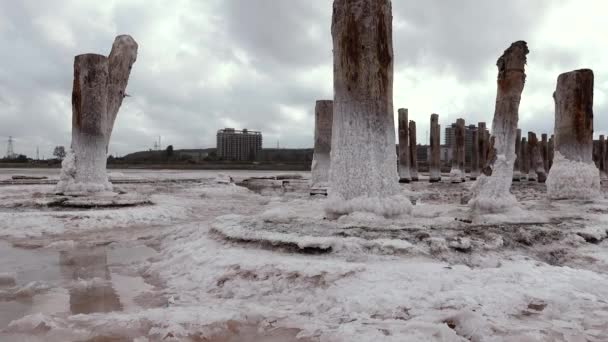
<point>83,280</point>
<point>91,290</point>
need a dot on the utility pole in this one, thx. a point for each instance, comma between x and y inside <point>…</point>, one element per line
<point>37,153</point>
<point>10,152</point>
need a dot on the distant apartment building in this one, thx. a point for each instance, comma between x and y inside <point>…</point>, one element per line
<point>241,145</point>
<point>450,139</point>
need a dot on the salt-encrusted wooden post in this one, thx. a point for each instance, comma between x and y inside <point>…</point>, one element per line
<point>530,157</point>
<point>518,161</point>
<point>551,149</point>
<point>490,153</point>
<point>492,193</point>
<point>483,144</point>
<point>457,174</point>
<point>363,176</point>
<point>474,155</point>
<point>544,149</point>
<point>573,174</point>
<point>435,161</point>
<point>97,93</point>
<point>321,158</point>
<point>537,168</point>
<point>413,152</point>
<point>404,149</point>
<point>602,157</point>
<point>525,158</point>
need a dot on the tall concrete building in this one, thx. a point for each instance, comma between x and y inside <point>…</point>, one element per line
<point>449,136</point>
<point>468,139</point>
<point>233,144</point>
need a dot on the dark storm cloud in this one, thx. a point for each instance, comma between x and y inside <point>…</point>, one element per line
<point>462,37</point>
<point>261,64</point>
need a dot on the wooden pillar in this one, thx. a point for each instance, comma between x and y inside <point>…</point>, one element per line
<point>413,152</point>
<point>525,165</point>
<point>602,157</point>
<point>435,161</point>
<point>457,174</point>
<point>321,158</point>
<point>551,150</point>
<point>363,176</point>
<point>518,161</point>
<point>97,94</point>
<point>474,155</point>
<point>404,149</point>
<point>573,174</point>
<point>493,193</point>
<point>532,142</point>
<point>545,152</point>
<point>482,143</point>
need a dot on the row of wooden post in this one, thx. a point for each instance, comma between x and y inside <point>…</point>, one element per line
<point>534,157</point>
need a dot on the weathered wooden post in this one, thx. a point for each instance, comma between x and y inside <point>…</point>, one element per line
<point>551,150</point>
<point>413,152</point>
<point>532,142</point>
<point>482,143</point>
<point>404,149</point>
<point>544,147</point>
<point>518,161</point>
<point>573,174</point>
<point>363,176</point>
<point>492,193</point>
<point>525,158</point>
<point>474,155</point>
<point>602,157</point>
<point>321,158</point>
<point>435,161</point>
<point>537,167</point>
<point>457,174</point>
<point>97,94</point>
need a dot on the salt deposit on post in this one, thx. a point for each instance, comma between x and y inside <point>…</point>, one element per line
<point>98,91</point>
<point>491,193</point>
<point>404,149</point>
<point>435,161</point>
<point>413,152</point>
<point>518,161</point>
<point>573,174</point>
<point>363,176</point>
<point>321,160</point>
<point>457,174</point>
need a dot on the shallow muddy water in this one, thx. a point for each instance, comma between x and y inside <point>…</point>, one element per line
<point>70,281</point>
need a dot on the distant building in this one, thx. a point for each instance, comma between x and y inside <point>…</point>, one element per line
<point>450,139</point>
<point>423,152</point>
<point>239,145</point>
<point>450,135</point>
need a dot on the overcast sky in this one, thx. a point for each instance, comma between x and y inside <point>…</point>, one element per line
<point>261,64</point>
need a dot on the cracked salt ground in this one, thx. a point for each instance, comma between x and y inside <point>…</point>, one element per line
<point>537,275</point>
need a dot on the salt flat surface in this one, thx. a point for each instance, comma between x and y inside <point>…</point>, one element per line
<point>234,264</point>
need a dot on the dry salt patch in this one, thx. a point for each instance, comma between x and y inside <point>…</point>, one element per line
<point>304,236</point>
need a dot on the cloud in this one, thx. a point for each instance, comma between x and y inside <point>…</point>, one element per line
<point>262,64</point>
